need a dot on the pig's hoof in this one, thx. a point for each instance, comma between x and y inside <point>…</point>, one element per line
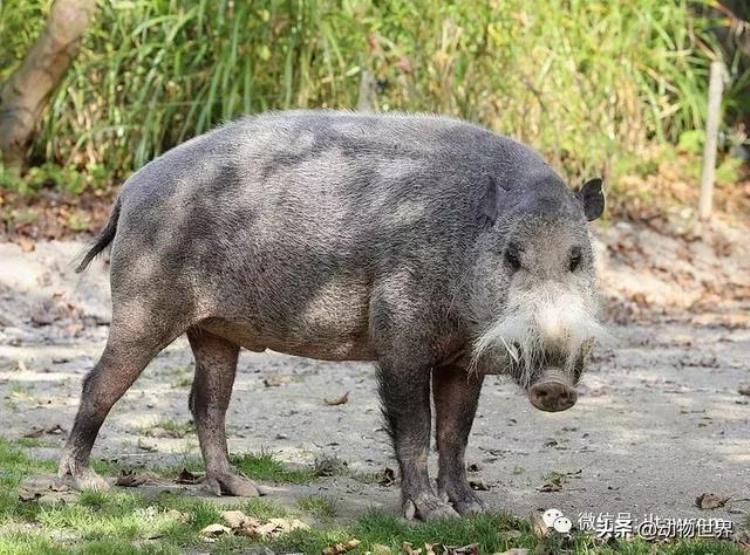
<point>87,479</point>
<point>469,506</point>
<point>90,480</point>
<point>229,483</point>
<point>81,477</point>
<point>465,502</point>
<point>428,507</point>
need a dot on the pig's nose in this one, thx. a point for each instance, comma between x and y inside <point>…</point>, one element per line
<point>552,396</point>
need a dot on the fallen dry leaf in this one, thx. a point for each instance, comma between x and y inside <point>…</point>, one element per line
<point>187,477</point>
<point>179,516</point>
<point>52,310</point>
<point>387,477</point>
<point>551,487</point>
<point>558,480</point>
<point>244,525</point>
<point>213,531</point>
<point>329,465</point>
<point>284,525</point>
<point>35,432</point>
<point>338,401</point>
<point>710,501</point>
<point>28,495</point>
<point>235,519</point>
<point>408,549</point>
<point>538,526</point>
<point>515,551</point>
<point>471,549</point>
<point>129,479</point>
<point>26,244</point>
<point>47,492</point>
<point>340,548</point>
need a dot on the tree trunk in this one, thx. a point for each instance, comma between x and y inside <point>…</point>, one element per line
<point>24,95</point>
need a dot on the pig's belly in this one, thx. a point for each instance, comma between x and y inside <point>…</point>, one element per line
<point>297,342</point>
<point>328,322</point>
<point>331,325</point>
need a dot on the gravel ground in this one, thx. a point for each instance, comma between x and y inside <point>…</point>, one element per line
<point>659,421</point>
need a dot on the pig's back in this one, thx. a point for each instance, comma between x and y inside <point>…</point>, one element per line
<point>328,169</point>
<point>296,217</point>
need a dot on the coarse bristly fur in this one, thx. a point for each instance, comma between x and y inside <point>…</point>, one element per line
<point>407,240</point>
<point>544,313</point>
<point>541,327</point>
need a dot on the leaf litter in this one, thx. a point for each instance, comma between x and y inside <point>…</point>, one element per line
<point>240,524</point>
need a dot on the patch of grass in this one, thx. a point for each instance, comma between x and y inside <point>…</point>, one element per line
<point>106,467</point>
<point>264,467</point>
<point>318,506</point>
<point>14,464</point>
<point>125,517</point>
<point>118,521</point>
<point>262,508</point>
<point>110,468</point>
<point>261,467</point>
<point>492,533</point>
<point>35,442</point>
<point>27,543</point>
<point>101,522</point>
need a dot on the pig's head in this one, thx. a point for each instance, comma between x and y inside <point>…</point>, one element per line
<point>533,289</point>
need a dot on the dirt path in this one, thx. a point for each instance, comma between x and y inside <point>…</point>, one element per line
<point>659,421</point>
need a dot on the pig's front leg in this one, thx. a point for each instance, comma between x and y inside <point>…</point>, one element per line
<point>406,407</point>
<point>215,368</point>
<point>456,395</point>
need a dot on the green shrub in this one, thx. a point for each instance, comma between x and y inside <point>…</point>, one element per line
<point>584,81</point>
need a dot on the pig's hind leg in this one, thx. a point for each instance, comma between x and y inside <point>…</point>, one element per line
<point>215,368</point>
<point>133,342</point>
<point>456,395</point>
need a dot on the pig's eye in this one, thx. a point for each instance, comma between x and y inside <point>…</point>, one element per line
<point>512,257</point>
<point>575,259</point>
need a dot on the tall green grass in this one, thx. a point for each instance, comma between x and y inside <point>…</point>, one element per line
<point>584,81</point>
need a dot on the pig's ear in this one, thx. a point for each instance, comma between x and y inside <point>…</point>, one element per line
<point>592,198</point>
<point>489,205</point>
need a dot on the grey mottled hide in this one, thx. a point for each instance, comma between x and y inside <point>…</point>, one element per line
<point>427,244</point>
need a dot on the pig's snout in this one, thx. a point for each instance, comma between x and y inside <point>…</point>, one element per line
<point>552,396</point>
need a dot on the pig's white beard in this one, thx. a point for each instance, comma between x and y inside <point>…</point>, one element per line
<point>545,319</point>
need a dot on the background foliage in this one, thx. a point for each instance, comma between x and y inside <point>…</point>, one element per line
<point>591,83</point>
